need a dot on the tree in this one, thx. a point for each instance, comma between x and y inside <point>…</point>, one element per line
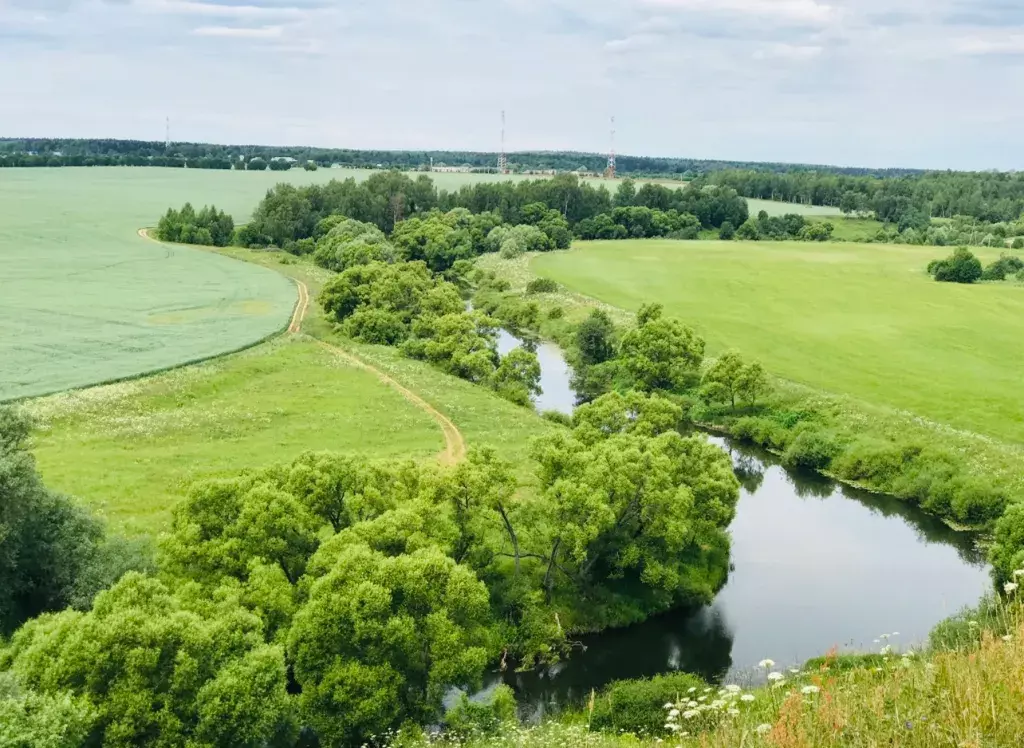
<point>625,195</point>
<point>348,243</point>
<point>727,231</point>
<point>47,543</point>
<point>629,413</point>
<point>256,164</point>
<point>381,640</point>
<point>649,511</point>
<point>462,344</point>
<point>160,668</point>
<point>660,353</point>
<point>310,166</point>
<point>517,377</point>
<point>33,720</point>
<point>595,339</point>
<point>752,383</point>
<point>960,267</point>
<point>721,380</point>
<point>225,526</point>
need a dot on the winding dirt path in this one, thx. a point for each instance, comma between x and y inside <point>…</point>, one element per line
<point>454,443</point>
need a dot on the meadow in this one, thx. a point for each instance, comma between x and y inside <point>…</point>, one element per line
<point>131,450</point>
<point>850,319</point>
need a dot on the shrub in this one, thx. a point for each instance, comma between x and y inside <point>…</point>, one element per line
<point>727,231</point>
<point>557,416</point>
<point>556,313</point>
<point>637,706</point>
<point>810,450</point>
<point>377,326</point>
<point>960,267</point>
<point>476,718</point>
<point>873,459</point>
<point>762,431</point>
<point>541,285</point>
<point>1018,243</point>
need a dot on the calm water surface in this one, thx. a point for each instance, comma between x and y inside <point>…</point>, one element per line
<point>815,565</point>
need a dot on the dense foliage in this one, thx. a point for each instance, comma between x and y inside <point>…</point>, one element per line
<point>789,226</point>
<point>902,199</point>
<point>404,304</point>
<point>960,267</point>
<point>52,552</point>
<point>209,226</point>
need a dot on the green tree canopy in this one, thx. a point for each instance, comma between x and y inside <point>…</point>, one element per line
<point>382,639</point>
<point>661,353</point>
<point>160,668</point>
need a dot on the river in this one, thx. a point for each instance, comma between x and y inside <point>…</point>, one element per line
<point>816,565</point>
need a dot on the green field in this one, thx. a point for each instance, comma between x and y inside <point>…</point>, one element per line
<point>861,320</point>
<point>775,208</point>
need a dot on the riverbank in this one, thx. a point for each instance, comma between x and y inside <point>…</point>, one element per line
<point>964,478</point>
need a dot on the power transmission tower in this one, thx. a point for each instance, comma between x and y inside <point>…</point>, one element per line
<point>503,159</point>
<point>610,171</point>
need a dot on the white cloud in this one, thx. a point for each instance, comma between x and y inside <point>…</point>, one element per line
<point>788,52</point>
<point>1002,44</point>
<point>218,10</point>
<point>235,32</point>
<point>806,11</point>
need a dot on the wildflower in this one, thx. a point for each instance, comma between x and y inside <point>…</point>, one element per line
<point>708,690</point>
<point>763,729</point>
<point>690,714</point>
<point>733,689</point>
<point>779,684</point>
<point>895,633</point>
<point>794,671</point>
<point>692,704</point>
<point>733,712</point>
<point>674,713</point>
<point>1009,587</point>
<point>703,698</point>
<point>766,664</point>
<point>668,705</point>
<point>692,689</point>
<point>1018,573</point>
<point>747,697</point>
<point>807,690</point>
<point>972,623</point>
<point>1008,638</point>
<point>775,676</point>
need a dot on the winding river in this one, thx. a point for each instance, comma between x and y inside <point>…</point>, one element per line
<point>816,565</point>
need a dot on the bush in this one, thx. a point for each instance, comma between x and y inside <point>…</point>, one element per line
<point>637,706</point>
<point>476,718</point>
<point>541,285</point>
<point>1018,243</point>
<point>960,267</point>
<point>727,231</point>
<point>810,450</point>
<point>557,416</point>
<point>556,313</point>
<point>761,431</point>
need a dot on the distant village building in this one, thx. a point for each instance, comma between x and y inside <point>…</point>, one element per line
<point>465,169</point>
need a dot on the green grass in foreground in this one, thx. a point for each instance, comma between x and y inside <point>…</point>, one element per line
<point>858,320</point>
<point>131,449</point>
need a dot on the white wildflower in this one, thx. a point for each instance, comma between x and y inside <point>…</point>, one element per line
<point>690,714</point>
<point>702,698</point>
<point>733,689</point>
<point>807,690</point>
<point>794,671</point>
<point>779,683</point>
<point>763,729</point>
<point>674,713</point>
<point>1018,573</point>
<point>668,705</point>
<point>692,689</point>
<point>1008,638</point>
<point>1010,587</point>
<point>747,697</point>
<point>775,676</point>
<point>733,712</point>
<point>692,704</point>
<point>766,664</point>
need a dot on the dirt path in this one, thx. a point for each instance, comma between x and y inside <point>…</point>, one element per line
<point>454,443</point>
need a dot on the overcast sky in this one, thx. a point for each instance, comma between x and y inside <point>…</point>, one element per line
<point>920,83</point>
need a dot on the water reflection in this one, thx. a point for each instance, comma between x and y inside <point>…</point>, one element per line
<point>815,565</point>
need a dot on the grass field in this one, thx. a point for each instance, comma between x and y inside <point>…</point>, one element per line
<point>860,320</point>
<point>774,208</point>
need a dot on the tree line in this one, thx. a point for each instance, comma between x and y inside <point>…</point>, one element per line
<point>906,200</point>
<point>77,152</point>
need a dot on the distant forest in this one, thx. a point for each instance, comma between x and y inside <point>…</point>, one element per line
<point>87,152</point>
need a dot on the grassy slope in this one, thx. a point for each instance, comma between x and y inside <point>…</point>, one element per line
<point>862,320</point>
<point>131,449</point>
<point>775,208</point>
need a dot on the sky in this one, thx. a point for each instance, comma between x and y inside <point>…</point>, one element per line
<point>907,83</point>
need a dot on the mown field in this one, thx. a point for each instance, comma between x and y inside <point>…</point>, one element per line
<point>854,319</point>
<point>775,208</point>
